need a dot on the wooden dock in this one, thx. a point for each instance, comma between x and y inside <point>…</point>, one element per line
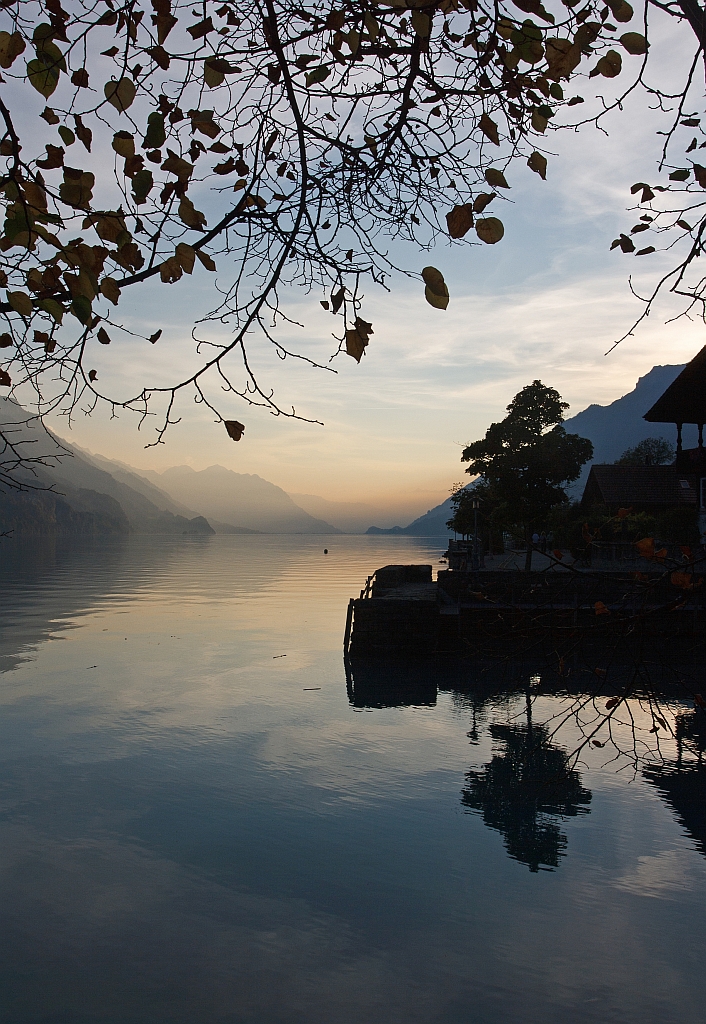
<point>401,609</point>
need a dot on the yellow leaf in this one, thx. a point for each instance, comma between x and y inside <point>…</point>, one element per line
<point>192,217</point>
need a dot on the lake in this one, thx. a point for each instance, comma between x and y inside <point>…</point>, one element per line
<point>204,818</point>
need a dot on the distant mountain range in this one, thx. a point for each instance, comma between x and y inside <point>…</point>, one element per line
<point>241,500</point>
<point>612,429</point>
<point>89,494</point>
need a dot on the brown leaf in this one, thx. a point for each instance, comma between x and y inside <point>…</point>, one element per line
<point>621,10</point>
<point>205,260</point>
<point>490,230</point>
<point>49,116</point>
<point>234,429</point>
<point>634,43</point>
<point>460,220</point>
<point>357,338</point>
<point>612,703</point>
<point>601,609</point>
<point>54,158</point>
<point>190,216</point>
<point>92,375</point>
<point>482,200</point>
<point>103,336</point>
<point>337,299</point>
<point>154,338</point>
<point>6,340</point>
<point>186,257</point>
<point>489,129</point>
<point>226,167</point>
<point>436,293</point>
<point>80,78</point>
<point>200,29</point>
<point>109,288</point>
<point>538,164</point>
<point>5,379</point>
<point>175,165</point>
<point>610,65</point>
<point>170,271</point>
<point>496,178</point>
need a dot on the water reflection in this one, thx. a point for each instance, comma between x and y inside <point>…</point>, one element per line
<point>682,782</point>
<point>523,790</point>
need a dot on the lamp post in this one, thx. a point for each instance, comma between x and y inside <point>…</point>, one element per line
<point>476,505</point>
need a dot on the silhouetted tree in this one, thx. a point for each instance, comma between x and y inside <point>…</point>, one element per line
<point>652,451</point>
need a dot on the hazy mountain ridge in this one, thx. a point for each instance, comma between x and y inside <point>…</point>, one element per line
<point>239,500</point>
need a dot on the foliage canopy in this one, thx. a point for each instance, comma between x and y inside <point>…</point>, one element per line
<point>271,143</point>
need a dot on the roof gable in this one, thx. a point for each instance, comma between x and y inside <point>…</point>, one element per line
<point>638,485</point>
<point>684,401</point>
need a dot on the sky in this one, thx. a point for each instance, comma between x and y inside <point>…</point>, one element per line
<point>546,302</point>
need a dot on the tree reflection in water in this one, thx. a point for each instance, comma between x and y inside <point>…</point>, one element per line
<point>523,790</point>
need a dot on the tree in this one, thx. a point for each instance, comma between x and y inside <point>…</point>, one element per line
<point>526,458</point>
<point>273,143</point>
<point>652,451</point>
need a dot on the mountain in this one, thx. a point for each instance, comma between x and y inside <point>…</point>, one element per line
<point>614,428</point>
<point>431,524</point>
<point>349,516</point>
<point>69,494</point>
<point>238,499</point>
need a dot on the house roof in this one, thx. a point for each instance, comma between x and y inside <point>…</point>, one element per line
<point>638,485</point>
<point>684,401</point>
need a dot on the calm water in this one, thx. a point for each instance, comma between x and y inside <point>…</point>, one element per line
<point>202,821</point>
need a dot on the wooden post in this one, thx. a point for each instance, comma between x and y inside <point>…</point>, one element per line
<point>349,622</point>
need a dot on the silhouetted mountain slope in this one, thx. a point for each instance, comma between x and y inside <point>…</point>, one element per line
<point>238,499</point>
<point>431,524</point>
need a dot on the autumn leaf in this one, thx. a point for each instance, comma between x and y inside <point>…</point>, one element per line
<point>317,75</point>
<point>154,338</point>
<point>634,43</point>
<point>460,220</point>
<point>357,338</point>
<point>80,78</point>
<point>20,302</point>
<point>538,164</point>
<point>490,230</point>
<point>539,121</point>
<point>610,65</point>
<point>436,293</point>
<point>683,580</point>
<point>186,257</point>
<point>482,200</point>
<point>81,309</point>
<point>621,10</point>
<point>496,178</point>
<point>103,336</point>
<point>211,75</point>
<point>6,340</point>
<point>170,271</point>
<point>92,375</point>
<point>612,703</point>
<point>5,379</point>
<point>11,46</point>
<point>124,144</point>
<point>489,129</point>
<point>44,78</point>
<point>192,217</point>
<point>624,512</point>
<point>234,429</point>
<point>205,260</point>
<point>121,94</point>
<point>646,547</point>
<point>109,288</point>
<point>155,135</point>
<point>558,554</point>
<point>601,609</point>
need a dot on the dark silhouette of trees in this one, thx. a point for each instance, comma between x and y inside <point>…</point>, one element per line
<point>652,451</point>
<point>526,458</point>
